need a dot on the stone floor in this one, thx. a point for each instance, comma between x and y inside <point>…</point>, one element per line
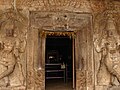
<point>58,85</point>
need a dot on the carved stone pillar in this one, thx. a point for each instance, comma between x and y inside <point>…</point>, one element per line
<point>84,59</point>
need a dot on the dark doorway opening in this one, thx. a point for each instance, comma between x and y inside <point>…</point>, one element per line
<point>59,63</point>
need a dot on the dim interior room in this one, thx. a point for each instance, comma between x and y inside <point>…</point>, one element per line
<point>58,62</point>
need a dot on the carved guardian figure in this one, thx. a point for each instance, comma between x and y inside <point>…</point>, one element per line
<point>7,59</point>
<point>109,47</point>
<point>10,59</point>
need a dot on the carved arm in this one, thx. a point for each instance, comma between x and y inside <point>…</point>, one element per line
<point>1,45</point>
<point>96,46</point>
<point>4,63</point>
<point>118,45</point>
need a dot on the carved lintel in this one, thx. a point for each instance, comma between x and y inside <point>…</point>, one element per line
<point>58,21</point>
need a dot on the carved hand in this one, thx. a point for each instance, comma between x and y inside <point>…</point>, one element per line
<point>4,63</point>
<point>119,48</point>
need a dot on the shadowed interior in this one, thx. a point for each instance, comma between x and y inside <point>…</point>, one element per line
<point>58,61</point>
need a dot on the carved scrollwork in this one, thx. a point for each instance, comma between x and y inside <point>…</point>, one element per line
<point>81,79</point>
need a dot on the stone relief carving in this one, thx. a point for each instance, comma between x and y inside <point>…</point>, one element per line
<point>51,21</point>
<point>108,45</point>
<point>58,21</point>
<point>89,79</point>
<point>81,80</point>
<point>12,46</point>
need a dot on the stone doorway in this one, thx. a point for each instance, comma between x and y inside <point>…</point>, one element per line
<point>43,23</point>
<point>59,68</point>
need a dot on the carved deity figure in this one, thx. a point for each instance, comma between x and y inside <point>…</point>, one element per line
<point>11,69</point>
<point>109,47</point>
<point>7,59</point>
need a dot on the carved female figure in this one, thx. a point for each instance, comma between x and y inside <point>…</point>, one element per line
<point>109,46</point>
<point>10,57</point>
<point>7,59</point>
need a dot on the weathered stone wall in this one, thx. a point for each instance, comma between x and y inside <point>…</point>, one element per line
<point>16,14</point>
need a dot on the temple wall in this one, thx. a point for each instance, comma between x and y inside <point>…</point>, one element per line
<point>19,70</point>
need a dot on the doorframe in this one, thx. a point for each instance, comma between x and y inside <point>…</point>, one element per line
<point>35,72</point>
<point>72,36</point>
<point>73,63</point>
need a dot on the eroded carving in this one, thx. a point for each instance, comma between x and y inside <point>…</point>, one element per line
<point>59,21</point>
<point>12,46</point>
<point>108,45</point>
<point>81,80</point>
<point>7,59</point>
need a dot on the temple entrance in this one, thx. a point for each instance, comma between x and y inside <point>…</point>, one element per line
<point>73,27</point>
<point>59,63</point>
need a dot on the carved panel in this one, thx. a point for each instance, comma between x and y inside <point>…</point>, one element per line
<point>12,51</point>
<point>81,80</point>
<point>58,21</point>
<point>107,39</point>
<point>84,58</point>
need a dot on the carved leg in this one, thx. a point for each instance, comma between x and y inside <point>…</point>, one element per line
<point>112,78</point>
<point>103,76</point>
<point>7,82</point>
<point>116,72</point>
<point>7,72</point>
<point>22,78</point>
<point>118,77</point>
